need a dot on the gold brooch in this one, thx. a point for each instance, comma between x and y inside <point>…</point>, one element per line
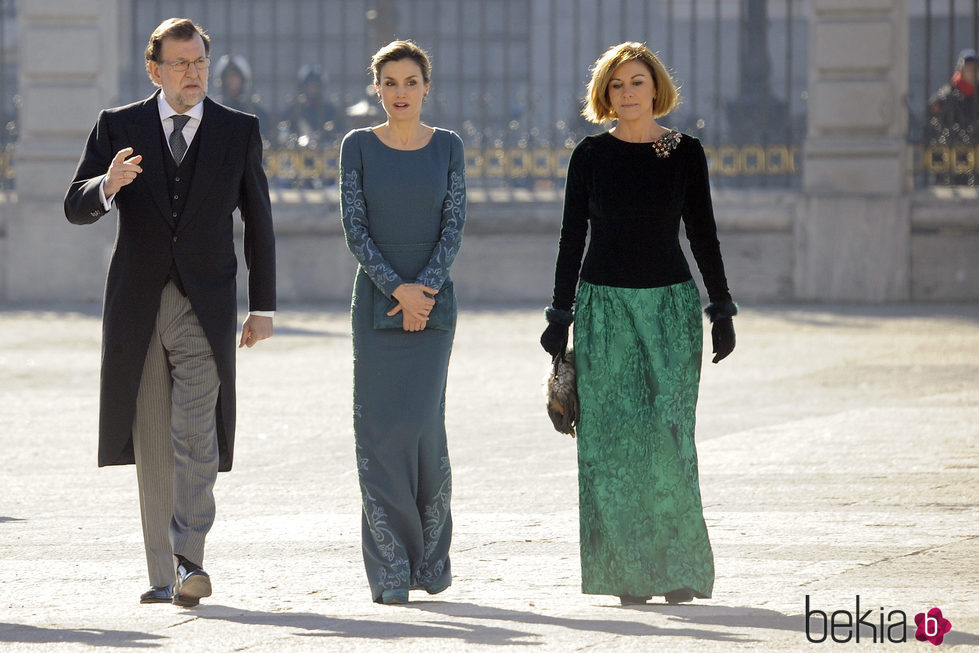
<point>666,144</point>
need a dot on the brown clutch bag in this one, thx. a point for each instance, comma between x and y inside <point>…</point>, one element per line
<point>561,390</point>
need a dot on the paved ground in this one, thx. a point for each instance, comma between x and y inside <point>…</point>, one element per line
<point>839,452</point>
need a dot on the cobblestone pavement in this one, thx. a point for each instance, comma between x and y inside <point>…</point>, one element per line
<point>839,451</point>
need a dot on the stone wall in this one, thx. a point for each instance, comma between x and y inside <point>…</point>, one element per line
<point>68,73</point>
<point>852,235</point>
<point>944,250</point>
<point>509,248</point>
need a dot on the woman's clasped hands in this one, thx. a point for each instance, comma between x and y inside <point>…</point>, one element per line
<point>415,302</point>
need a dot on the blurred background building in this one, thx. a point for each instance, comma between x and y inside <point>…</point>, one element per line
<point>835,176</point>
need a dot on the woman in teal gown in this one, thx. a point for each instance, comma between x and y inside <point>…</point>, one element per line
<point>638,334</point>
<point>403,204</point>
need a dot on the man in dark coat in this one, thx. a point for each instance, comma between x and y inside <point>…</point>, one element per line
<point>953,120</point>
<point>234,78</point>
<point>176,165</point>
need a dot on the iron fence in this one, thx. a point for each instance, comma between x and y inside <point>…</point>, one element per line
<point>509,76</point>
<point>9,100</point>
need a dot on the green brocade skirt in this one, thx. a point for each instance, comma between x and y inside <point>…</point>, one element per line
<point>637,357</point>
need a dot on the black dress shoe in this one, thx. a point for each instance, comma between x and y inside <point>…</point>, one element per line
<point>157,594</point>
<point>684,595</point>
<point>193,584</point>
<point>627,599</point>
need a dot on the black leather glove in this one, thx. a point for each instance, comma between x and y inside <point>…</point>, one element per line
<point>722,336</point>
<point>554,340</point>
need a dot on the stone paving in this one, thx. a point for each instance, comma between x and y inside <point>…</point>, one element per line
<point>839,451</point>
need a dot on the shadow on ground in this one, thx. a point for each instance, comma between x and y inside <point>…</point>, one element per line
<point>818,627</point>
<point>21,634</point>
<point>469,633</point>
<point>616,625</point>
<point>694,621</point>
<point>316,625</point>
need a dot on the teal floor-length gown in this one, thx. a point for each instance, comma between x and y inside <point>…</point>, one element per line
<point>403,213</point>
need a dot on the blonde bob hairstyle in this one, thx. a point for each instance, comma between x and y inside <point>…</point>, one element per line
<point>598,109</point>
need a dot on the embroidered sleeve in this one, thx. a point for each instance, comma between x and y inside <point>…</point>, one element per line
<point>453,221</point>
<point>353,211</point>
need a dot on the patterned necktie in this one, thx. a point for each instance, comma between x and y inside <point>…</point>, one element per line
<point>177,143</point>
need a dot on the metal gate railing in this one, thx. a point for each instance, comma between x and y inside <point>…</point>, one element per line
<point>9,100</point>
<point>509,76</point>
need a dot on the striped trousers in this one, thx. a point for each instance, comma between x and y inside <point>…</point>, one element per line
<point>175,438</point>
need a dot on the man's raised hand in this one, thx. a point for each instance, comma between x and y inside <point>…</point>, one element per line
<point>122,171</point>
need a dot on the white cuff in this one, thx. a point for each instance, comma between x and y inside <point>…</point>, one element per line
<point>106,203</point>
<point>262,313</point>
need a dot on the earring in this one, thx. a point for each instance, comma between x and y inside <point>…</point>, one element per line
<point>425,98</point>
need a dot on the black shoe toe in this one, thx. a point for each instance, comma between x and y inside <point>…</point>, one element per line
<point>157,594</point>
<point>684,595</point>
<point>627,599</point>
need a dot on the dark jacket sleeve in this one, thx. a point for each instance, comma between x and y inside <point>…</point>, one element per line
<point>82,202</point>
<point>574,229</point>
<point>698,220</point>
<point>259,236</point>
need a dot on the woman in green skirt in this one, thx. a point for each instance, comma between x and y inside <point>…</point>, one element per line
<point>638,333</point>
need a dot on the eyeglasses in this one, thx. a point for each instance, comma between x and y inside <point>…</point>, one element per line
<point>181,66</point>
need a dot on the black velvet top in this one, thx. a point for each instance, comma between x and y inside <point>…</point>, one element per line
<point>634,198</point>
